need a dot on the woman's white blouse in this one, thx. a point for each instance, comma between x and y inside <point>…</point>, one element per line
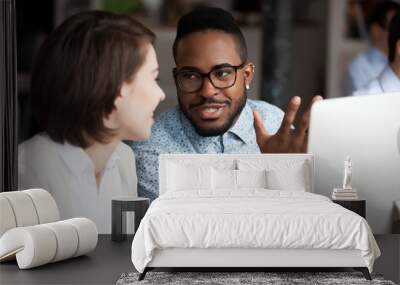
<point>67,172</point>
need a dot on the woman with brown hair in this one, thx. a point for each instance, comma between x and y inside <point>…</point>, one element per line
<point>93,85</point>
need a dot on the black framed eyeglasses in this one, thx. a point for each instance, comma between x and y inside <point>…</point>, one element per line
<point>221,76</point>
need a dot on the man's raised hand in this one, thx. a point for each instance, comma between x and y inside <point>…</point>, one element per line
<point>286,139</point>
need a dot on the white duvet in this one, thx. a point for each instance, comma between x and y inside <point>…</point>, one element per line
<point>252,218</point>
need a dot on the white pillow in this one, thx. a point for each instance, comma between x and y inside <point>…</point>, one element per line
<point>223,179</point>
<point>282,174</point>
<point>226,179</point>
<point>291,179</point>
<point>202,161</point>
<point>251,178</point>
<point>181,177</point>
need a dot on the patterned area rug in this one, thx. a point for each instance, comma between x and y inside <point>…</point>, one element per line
<point>243,278</point>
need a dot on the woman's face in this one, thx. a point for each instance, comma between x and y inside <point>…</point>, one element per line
<point>133,116</point>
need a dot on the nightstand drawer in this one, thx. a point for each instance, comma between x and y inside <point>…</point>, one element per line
<point>357,206</point>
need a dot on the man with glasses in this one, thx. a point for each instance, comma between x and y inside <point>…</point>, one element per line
<point>214,115</point>
<point>370,63</point>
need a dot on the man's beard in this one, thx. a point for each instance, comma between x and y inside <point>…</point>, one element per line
<point>211,132</point>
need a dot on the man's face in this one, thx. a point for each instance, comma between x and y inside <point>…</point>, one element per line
<point>211,110</point>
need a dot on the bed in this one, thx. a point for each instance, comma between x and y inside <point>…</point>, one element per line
<point>246,211</point>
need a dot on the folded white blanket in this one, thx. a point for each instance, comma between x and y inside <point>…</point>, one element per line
<point>40,244</point>
<point>253,218</point>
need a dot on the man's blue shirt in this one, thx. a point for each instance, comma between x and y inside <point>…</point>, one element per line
<point>172,132</point>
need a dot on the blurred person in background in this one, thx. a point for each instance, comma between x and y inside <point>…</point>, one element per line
<point>389,79</point>
<point>370,63</point>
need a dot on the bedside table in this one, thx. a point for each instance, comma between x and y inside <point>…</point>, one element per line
<point>119,205</point>
<point>357,206</point>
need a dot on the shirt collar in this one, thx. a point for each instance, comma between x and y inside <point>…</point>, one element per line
<point>78,161</point>
<point>389,80</point>
<point>243,128</point>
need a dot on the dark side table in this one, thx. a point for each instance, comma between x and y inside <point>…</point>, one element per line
<point>119,207</point>
<point>357,206</point>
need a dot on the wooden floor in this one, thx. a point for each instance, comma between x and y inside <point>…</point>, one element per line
<point>389,262</point>
<point>106,264</point>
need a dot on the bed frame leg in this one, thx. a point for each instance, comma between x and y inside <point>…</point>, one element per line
<point>364,271</point>
<point>143,274</point>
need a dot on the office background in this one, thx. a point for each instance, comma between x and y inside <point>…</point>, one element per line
<point>299,48</point>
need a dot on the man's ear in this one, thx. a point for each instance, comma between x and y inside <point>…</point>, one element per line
<point>249,70</point>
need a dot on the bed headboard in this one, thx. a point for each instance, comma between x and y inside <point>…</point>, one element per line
<point>229,161</point>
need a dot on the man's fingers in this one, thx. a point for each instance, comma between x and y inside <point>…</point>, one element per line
<point>304,123</point>
<point>316,98</point>
<point>261,132</point>
<point>290,115</point>
<point>305,145</point>
<point>313,100</point>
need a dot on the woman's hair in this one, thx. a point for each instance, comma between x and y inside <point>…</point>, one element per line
<point>394,36</point>
<point>79,71</point>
